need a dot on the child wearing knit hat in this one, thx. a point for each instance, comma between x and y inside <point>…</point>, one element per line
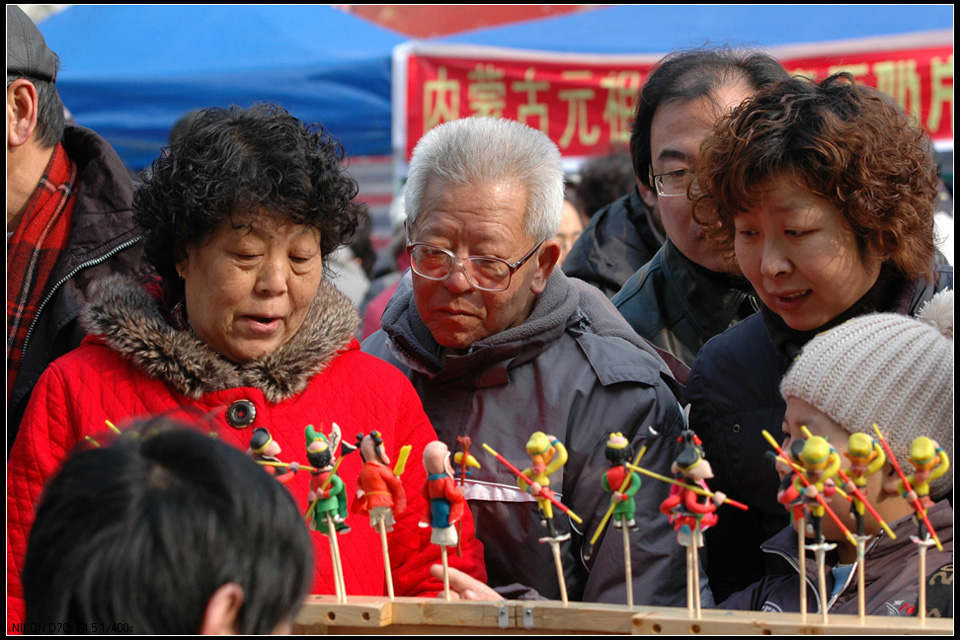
<point>895,371</point>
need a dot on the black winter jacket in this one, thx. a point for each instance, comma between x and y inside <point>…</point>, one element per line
<point>103,241</point>
<point>620,238</point>
<point>678,305</point>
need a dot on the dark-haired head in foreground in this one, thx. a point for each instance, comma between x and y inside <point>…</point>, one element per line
<point>166,532</point>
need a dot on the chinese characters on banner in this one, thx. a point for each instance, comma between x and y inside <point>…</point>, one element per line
<point>587,108</point>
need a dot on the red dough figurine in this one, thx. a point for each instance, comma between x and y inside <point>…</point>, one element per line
<point>379,492</point>
<point>692,512</point>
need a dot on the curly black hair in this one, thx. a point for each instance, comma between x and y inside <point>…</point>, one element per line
<point>235,160</point>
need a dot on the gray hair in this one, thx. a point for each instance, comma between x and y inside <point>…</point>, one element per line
<point>478,150</point>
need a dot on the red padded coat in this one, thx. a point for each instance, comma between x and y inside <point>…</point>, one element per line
<point>134,364</point>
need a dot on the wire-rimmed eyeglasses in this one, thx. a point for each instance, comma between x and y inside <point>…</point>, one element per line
<point>483,272</point>
<point>673,183</point>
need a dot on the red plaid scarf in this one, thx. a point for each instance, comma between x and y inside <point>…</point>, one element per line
<point>33,249</point>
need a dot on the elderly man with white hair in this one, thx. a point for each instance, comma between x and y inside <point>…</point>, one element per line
<point>500,344</point>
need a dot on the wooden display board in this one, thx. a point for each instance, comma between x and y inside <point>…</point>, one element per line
<point>367,615</point>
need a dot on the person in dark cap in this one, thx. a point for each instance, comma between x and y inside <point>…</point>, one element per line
<point>69,216</point>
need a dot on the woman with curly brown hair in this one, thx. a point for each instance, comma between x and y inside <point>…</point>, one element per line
<point>239,220</point>
<point>822,193</point>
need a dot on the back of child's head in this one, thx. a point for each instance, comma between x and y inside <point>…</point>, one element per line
<point>143,532</point>
<point>884,368</point>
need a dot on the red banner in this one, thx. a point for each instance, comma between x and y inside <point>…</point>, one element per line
<point>587,107</point>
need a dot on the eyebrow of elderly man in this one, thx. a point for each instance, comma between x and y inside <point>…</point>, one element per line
<point>501,344</point>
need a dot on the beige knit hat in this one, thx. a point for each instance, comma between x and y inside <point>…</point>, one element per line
<point>886,368</point>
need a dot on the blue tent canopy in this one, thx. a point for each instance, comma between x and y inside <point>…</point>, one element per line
<point>659,29</point>
<point>130,72</point>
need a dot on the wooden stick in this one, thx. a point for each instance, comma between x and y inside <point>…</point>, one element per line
<point>555,546</point>
<point>690,581</point>
<point>626,562</point>
<point>446,573</point>
<point>861,577</point>
<point>821,553</point>
<point>339,586</point>
<point>695,553</point>
<point>801,544</point>
<point>386,556</point>
<point>922,599</point>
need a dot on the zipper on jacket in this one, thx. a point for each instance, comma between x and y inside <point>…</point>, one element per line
<point>75,271</point>
<point>806,579</point>
<point>816,587</point>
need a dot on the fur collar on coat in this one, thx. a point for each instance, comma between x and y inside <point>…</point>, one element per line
<point>129,320</point>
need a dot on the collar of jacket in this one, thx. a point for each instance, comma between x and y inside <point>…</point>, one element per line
<point>717,298</point>
<point>565,304</point>
<point>130,321</point>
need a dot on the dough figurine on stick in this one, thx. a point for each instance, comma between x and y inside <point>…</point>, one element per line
<point>547,454</point>
<point>623,484</point>
<point>328,500</point>
<point>689,512</point>
<point>264,451</point>
<point>930,462</point>
<point>445,501</point>
<point>792,501</point>
<point>464,462</point>
<point>379,491</point>
<point>866,457</point>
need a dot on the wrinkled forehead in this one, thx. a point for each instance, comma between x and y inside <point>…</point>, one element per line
<point>454,205</point>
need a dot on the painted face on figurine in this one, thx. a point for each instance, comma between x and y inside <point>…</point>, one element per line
<point>373,452</point>
<point>920,476</point>
<point>541,460</point>
<point>436,458</point>
<point>272,450</point>
<point>700,471</point>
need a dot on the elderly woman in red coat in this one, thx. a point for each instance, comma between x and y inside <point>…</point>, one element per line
<point>243,327</point>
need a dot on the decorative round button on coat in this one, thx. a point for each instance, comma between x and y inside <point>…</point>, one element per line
<point>241,414</point>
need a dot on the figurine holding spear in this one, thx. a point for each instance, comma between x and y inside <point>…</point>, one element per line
<point>689,514</point>
<point>547,454</point>
<point>328,501</point>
